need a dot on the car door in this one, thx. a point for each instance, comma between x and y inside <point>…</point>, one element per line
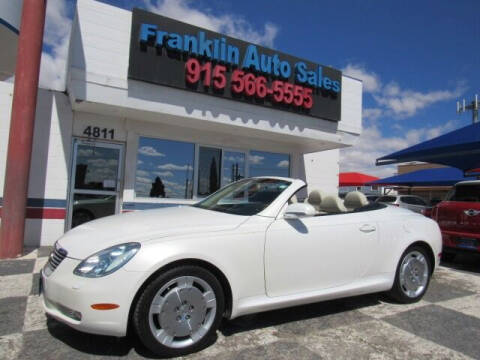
<point>318,252</point>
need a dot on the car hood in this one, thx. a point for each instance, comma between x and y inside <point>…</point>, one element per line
<point>142,226</point>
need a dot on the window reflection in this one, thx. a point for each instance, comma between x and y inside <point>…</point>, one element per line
<point>96,168</point>
<point>233,166</point>
<point>263,163</point>
<point>209,162</point>
<point>164,169</point>
<point>88,207</point>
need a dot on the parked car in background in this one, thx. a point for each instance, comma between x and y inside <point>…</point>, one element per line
<point>411,202</point>
<point>372,198</point>
<point>459,219</point>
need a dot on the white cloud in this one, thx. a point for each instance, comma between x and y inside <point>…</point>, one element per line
<point>256,159</point>
<point>163,173</point>
<point>229,24</point>
<point>372,113</point>
<point>283,164</point>
<point>394,101</point>
<point>143,173</point>
<point>149,151</point>
<point>143,180</point>
<point>406,103</point>
<point>371,81</point>
<point>53,65</point>
<point>175,167</point>
<point>238,159</point>
<point>373,145</point>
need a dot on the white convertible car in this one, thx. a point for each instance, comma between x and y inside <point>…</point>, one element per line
<point>174,273</point>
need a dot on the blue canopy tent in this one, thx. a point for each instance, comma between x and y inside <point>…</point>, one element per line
<point>445,176</point>
<point>459,148</point>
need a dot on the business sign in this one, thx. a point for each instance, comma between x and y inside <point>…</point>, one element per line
<point>171,53</point>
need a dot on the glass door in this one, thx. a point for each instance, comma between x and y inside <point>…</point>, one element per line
<point>96,180</point>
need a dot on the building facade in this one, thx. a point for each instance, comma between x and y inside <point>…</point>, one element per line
<point>159,113</point>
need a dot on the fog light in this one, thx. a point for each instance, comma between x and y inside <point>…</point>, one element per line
<point>73,314</point>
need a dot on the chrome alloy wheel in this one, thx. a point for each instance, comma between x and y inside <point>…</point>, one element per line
<point>414,274</point>
<point>182,311</point>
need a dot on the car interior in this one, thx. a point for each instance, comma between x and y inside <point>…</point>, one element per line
<point>355,201</point>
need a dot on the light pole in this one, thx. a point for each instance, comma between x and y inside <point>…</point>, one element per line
<point>12,228</point>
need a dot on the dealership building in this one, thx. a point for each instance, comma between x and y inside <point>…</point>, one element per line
<point>160,113</point>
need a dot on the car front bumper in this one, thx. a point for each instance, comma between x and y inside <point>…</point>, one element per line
<point>457,241</point>
<point>69,298</point>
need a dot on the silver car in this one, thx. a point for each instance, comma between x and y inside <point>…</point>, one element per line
<point>411,202</point>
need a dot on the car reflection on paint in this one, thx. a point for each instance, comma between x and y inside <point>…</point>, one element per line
<point>90,207</point>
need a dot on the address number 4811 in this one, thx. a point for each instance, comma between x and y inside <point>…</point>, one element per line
<point>98,132</point>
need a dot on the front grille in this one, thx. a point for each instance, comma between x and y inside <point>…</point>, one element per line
<point>56,257</point>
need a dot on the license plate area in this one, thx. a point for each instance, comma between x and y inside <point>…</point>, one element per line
<point>467,243</point>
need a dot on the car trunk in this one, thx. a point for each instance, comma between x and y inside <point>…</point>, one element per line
<point>457,216</point>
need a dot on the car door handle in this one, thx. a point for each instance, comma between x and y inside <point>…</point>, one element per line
<point>367,228</point>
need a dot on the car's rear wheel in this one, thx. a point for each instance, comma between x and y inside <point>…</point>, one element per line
<point>179,311</point>
<point>413,275</point>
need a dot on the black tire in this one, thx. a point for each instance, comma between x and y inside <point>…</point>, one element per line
<point>397,293</point>
<point>140,318</point>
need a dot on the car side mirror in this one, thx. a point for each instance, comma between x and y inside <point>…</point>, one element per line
<point>299,210</point>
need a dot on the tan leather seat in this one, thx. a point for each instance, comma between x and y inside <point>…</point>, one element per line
<point>315,199</point>
<point>355,200</point>
<point>332,204</point>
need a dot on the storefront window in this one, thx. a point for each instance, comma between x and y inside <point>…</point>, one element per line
<point>263,163</point>
<point>164,169</point>
<point>233,166</point>
<point>209,162</point>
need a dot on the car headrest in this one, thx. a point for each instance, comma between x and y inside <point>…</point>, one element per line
<point>293,199</point>
<point>355,200</point>
<point>315,198</point>
<point>332,204</point>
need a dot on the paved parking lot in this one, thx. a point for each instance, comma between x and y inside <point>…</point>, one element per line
<point>444,325</point>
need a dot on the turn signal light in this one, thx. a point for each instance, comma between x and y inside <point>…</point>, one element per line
<point>104,306</point>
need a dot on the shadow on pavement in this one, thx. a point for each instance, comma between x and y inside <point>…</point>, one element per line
<point>298,313</point>
<point>102,345</point>
<point>469,262</point>
<point>119,347</point>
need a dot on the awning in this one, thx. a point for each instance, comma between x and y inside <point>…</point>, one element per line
<point>459,148</point>
<point>354,179</point>
<point>445,176</point>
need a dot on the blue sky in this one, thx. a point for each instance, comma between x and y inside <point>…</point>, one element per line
<point>416,58</point>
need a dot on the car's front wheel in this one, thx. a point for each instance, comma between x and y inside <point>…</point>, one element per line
<point>179,311</point>
<point>413,275</point>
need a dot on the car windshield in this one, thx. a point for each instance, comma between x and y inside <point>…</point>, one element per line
<point>465,192</point>
<point>245,197</point>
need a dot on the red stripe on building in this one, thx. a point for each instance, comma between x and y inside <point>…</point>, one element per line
<point>44,213</point>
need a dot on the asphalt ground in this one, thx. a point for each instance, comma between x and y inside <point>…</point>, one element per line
<point>444,325</point>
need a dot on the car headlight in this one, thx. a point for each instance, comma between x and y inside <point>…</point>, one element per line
<point>106,261</point>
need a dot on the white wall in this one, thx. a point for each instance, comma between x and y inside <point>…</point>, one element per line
<point>10,13</point>
<point>321,170</point>
<point>49,170</point>
<point>6,95</point>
